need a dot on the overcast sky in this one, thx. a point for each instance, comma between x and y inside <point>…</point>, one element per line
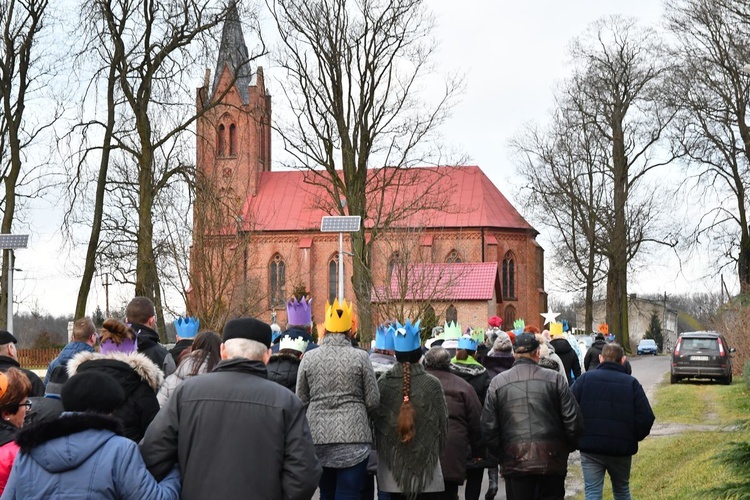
<point>512,56</point>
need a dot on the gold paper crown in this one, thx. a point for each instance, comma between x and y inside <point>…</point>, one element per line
<point>556,329</point>
<point>338,317</point>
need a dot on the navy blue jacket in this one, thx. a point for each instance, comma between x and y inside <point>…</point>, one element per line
<point>70,350</point>
<point>616,411</point>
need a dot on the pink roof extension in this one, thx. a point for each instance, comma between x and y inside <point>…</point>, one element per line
<point>462,197</point>
<point>449,281</point>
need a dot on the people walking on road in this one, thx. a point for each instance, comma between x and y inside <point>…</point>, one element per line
<point>201,356</point>
<point>336,383</point>
<point>617,415</point>
<point>411,423</point>
<point>137,375</point>
<point>84,339</point>
<point>233,432</point>
<point>531,422</point>
<point>83,454</point>
<point>464,410</point>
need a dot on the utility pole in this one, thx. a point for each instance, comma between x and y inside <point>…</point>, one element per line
<point>106,295</point>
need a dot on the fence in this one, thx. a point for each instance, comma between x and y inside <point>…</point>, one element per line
<point>37,359</point>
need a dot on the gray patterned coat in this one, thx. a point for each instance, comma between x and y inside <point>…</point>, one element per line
<point>336,383</point>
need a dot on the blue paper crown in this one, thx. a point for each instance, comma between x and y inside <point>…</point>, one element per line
<point>187,327</point>
<point>407,337</point>
<point>384,337</point>
<point>467,342</point>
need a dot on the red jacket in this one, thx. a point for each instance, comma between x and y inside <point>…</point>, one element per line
<point>8,454</point>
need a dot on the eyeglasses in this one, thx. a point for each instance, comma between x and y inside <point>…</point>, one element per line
<point>27,404</point>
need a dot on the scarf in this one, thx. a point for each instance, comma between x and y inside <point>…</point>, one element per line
<point>412,464</point>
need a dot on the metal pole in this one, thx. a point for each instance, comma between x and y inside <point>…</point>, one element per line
<point>341,267</point>
<point>11,264</point>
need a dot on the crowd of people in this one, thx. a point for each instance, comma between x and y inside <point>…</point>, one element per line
<point>271,413</point>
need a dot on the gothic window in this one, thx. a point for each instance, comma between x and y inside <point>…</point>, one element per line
<point>394,261</point>
<point>451,314</point>
<point>277,281</point>
<point>509,317</point>
<point>233,140</point>
<point>221,141</point>
<point>262,136</point>
<point>453,257</point>
<point>333,278</point>
<point>509,276</point>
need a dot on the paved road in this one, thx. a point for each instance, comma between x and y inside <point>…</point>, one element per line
<point>649,370</point>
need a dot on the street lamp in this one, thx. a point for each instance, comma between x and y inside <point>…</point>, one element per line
<point>340,224</point>
<point>11,242</point>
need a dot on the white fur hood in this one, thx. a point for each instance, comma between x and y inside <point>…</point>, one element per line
<point>142,365</point>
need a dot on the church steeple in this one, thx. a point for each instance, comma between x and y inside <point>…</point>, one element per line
<point>234,55</point>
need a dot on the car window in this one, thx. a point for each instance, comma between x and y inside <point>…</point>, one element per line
<point>693,345</point>
<point>648,342</point>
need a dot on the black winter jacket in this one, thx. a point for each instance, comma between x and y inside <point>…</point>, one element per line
<point>282,369</point>
<point>591,359</point>
<point>616,411</point>
<point>531,420</point>
<point>37,386</point>
<point>148,344</point>
<point>497,362</point>
<point>255,430</point>
<point>139,378</point>
<point>570,360</point>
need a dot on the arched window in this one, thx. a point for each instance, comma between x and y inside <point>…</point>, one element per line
<point>262,135</point>
<point>509,276</point>
<point>221,141</point>
<point>453,257</point>
<point>451,314</point>
<point>394,261</point>
<point>509,317</point>
<point>333,278</point>
<point>233,140</point>
<point>277,281</point>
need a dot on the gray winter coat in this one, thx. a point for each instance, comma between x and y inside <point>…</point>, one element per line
<point>235,435</point>
<point>336,382</point>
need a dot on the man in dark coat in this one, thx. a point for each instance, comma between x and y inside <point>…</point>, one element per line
<point>464,411</point>
<point>264,449</point>
<point>617,415</point>
<point>564,350</point>
<point>531,422</point>
<point>9,359</point>
<point>141,316</point>
<point>591,359</point>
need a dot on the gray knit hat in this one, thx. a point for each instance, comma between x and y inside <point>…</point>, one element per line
<point>502,343</point>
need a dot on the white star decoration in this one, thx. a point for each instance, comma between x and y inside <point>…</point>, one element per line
<point>550,317</point>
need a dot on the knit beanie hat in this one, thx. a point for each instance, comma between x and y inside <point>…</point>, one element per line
<point>92,391</point>
<point>502,343</point>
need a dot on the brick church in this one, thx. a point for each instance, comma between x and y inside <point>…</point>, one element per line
<point>257,239</point>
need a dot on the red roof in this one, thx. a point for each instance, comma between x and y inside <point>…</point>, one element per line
<point>441,281</point>
<point>456,197</point>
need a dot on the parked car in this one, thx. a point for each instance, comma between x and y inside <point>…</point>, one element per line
<point>702,355</point>
<point>647,346</point>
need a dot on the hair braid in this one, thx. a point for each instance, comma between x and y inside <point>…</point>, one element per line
<point>405,424</point>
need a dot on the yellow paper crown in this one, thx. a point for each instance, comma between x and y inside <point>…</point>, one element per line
<point>338,317</point>
<point>555,329</point>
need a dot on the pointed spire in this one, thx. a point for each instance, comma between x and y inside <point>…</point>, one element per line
<point>233,53</point>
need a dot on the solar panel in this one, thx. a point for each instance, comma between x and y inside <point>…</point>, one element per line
<point>340,223</point>
<point>12,241</point>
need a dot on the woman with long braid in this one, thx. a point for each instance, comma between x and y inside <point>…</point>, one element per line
<point>411,423</point>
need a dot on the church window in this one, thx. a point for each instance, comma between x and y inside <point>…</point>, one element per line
<point>333,278</point>
<point>509,276</point>
<point>233,140</point>
<point>277,281</point>
<point>451,314</point>
<point>509,317</point>
<point>394,261</point>
<point>221,141</point>
<point>453,257</point>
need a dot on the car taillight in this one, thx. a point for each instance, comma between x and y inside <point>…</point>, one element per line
<point>721,348</point>
<point>677,347</point>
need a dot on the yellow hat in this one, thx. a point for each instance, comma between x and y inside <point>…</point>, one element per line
<point>338,317</point>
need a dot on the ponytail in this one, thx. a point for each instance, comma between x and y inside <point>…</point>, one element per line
<point>405,425</point>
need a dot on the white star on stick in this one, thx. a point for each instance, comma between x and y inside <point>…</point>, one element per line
<point>550,317</point>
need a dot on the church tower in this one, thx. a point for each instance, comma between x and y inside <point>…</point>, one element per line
<point>234,133</point>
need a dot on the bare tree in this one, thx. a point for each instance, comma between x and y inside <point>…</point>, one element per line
<point>23,75</point>
<point>151,52</point>
<point>711,93</point>
<point>353,73</point>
